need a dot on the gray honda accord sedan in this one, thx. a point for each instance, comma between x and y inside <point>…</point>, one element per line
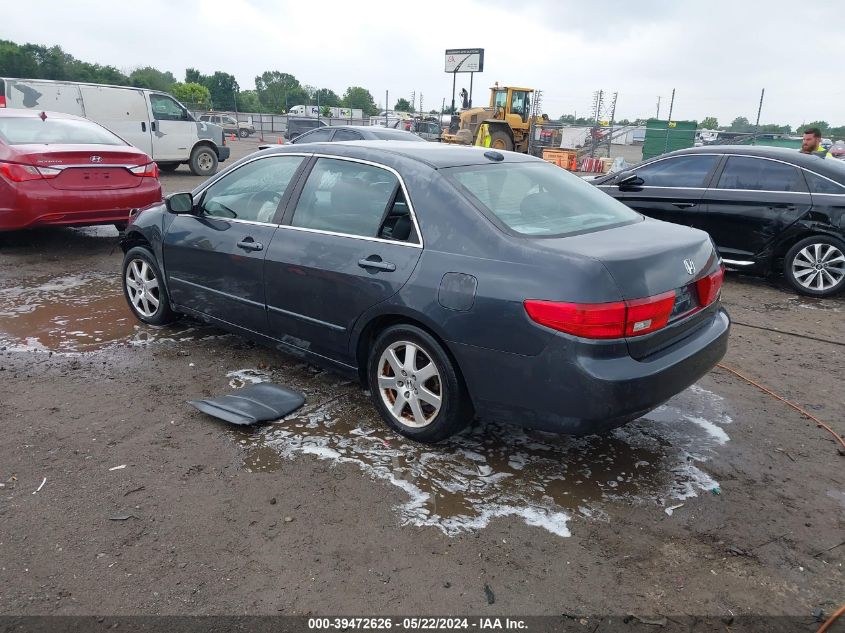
<point>452,281</point>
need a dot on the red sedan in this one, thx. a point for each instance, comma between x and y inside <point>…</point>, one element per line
<point>62,169</point>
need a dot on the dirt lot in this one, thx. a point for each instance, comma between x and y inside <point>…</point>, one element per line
<point>149,507</point>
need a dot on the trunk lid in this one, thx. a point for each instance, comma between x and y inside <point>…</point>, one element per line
<point>86,167</point>
<point>646,259</point>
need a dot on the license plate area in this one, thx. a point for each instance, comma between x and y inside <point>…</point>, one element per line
<point>686,301</point>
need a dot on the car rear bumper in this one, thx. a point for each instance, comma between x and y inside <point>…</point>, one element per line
<point>38,204</point>
<point>579,387</point>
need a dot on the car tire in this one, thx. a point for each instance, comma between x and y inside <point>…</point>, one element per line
<point>499,139</point>
<point>203,161</point>
<point>815,266</point>
<point>243,133</point>
<point>429,402</point>
<point>149,303</point>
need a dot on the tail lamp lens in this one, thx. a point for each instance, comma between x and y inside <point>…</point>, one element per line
<point>604,320</point>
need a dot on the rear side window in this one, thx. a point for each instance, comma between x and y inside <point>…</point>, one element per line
<point>758,174</point>
<point>317,136</point>
<point>350,198</point>
<point>822,185</point>
<point>51,131</point>
<point>346,135</point>
<point>680,171</point>
<point>540,199</point>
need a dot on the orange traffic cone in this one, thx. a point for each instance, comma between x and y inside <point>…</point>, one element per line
<point>279,140</point>
<point>233,137</point>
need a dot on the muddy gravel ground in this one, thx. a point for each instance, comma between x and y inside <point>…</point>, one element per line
<point>724,502</point>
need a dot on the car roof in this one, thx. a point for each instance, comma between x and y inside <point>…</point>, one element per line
<point>26,113</point>
<point>436,155</point>
<point>817,164</point>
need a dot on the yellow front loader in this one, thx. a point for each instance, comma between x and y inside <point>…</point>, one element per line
<point>505,124</point>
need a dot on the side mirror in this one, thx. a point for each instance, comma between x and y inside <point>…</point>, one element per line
<point>629,179</point>
<point>179,203</point>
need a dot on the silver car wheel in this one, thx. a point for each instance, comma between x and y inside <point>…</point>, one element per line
<point>819,266</point>
<point>205,161</point>
<point>409,384</point>
<point>142,287</point>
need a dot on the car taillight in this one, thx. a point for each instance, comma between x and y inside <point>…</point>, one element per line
<point>2,101</point>
<point>708,287</point>
<point>604,320</point>
<point>150,170</point>
<point>15,172</point>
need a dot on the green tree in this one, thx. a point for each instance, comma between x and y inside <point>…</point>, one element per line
<point>837,133</point>
<point>709,123</point>
<point>152,78</point>
<point>403,105</point>
<point>567,118</point>
<point>279,91</point>
<point>327,97</point>
<point>357,97</point>
<point>248,101</point>
<point>822,125</point>
<point>191,94</point>
<point>325,111</point>
<point>741,124</point>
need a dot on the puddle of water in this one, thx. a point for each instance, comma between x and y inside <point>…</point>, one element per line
<point>497,470</point>
<point>71,314</point>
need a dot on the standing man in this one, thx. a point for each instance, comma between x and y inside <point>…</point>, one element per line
<point>812,143</point>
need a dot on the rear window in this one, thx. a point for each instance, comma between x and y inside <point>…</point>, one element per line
<point>50,131</point>
<point>540,199</point>
<point>397,135</point>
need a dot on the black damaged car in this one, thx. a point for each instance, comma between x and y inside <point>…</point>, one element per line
<point>767,209</point>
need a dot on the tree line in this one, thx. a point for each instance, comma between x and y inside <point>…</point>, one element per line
<point>275,92</point>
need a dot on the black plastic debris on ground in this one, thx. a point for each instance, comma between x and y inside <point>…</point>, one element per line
<point>257,403</point>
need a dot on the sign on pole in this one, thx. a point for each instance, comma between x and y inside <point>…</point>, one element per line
<point>465,60</point>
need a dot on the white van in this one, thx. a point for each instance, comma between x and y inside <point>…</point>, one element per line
<point>154,122</point>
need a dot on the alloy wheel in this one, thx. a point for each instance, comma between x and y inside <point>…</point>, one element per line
<point>143,287</point>
<point>409,384</point>
<point>819,266</point>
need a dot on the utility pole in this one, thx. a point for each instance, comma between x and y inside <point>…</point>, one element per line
<point>386,107</point>
<point>669,122</point>
<point>759,110</point>
<point>597,104</point>
<point>657,116</point>
<point>612,117</point>
<point>413,100</point>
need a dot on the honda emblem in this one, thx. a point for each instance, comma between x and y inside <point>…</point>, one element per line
<point>690,266</point>
<point>96,159</point>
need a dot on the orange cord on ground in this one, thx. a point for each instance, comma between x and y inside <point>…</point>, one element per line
<point>785,401</point>
<point>824,627</point>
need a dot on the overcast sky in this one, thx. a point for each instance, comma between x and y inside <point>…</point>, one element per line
<point>717,54</point>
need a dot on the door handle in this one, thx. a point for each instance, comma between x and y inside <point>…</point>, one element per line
<point>375,262</point>
<point>143,126</point>
<point>249,244</point>
<point>683,205</point>
<point>153,126</point>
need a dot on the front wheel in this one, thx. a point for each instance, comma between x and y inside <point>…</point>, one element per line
<point>143,287</point>
<point>203,161</point>
<point>499,139</point>
<point>815,266</point>
<point>243,132</point>
<point>415,385</point>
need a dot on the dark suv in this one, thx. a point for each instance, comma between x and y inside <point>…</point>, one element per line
<point>296,127</point>
<point>767,209</point>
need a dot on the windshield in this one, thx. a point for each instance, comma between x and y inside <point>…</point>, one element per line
<point>540,199</point>
<point>32,130</point>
